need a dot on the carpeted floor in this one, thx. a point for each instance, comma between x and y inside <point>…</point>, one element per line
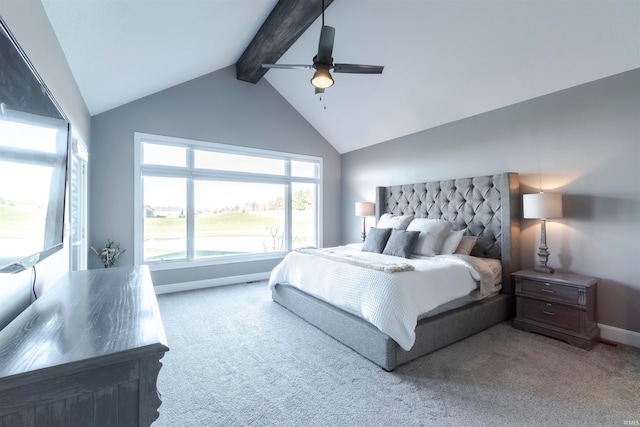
<point>238,359</point>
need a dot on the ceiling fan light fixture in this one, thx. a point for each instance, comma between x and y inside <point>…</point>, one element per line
<point>322,79</point>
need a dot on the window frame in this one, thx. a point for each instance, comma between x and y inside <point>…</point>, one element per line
<point>191,174</point>
<point>78,204</point>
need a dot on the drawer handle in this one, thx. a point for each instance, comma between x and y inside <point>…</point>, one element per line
<point>548,313</point>
<point>549,291</point>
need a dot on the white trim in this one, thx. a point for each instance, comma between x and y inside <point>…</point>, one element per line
<point>138,197</point>
<point>78,147</point>
<point>219,260</point>
<point>190,173</point>
<point>320,201</point>
<point>79,159</point>
<point>210,283</point>
<point>622,336</point>
<point>216,146</point>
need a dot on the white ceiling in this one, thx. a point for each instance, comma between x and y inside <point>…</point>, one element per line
<point>444,60</point>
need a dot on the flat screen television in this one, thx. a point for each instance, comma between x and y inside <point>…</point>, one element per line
<point>34,144</point>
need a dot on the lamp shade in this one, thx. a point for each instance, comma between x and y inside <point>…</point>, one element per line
<point>542,205</point>
<point>364,208</point>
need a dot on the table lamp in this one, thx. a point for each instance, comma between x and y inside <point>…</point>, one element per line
<point>364,209</point>
<point>542,206</point>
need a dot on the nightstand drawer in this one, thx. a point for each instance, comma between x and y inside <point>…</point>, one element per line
<point>557,315</point>
<point>550,291</point>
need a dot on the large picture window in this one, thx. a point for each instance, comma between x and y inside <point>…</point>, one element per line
<point>202,202</point>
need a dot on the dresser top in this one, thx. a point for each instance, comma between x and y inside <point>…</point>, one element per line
<point>86,316</point>
<point>562,278</point>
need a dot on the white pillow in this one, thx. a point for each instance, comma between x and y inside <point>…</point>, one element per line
<point>432,234</point>
<point>451,241</point>
<point>399,222</point>
<point>466,245</point>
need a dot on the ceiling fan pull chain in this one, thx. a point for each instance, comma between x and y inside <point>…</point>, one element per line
<point>324,107</point>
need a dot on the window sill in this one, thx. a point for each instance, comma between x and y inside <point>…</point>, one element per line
<point>232,259</point>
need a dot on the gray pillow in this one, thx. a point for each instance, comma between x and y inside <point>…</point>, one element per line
<point>376,239</point>
<point>401,243</point>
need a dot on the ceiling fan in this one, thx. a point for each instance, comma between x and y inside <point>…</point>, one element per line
<point>323,62</point>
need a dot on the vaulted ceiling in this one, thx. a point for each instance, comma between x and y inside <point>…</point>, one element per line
<point>444,60</point>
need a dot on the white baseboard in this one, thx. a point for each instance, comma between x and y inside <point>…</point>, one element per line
<point>622,336</point>
<point>210,283</point>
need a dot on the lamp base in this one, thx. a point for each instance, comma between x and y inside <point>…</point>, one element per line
<point>543,252</point>
<point>543,269</point>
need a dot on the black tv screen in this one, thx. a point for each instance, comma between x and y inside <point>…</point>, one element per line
<point>34,143</point>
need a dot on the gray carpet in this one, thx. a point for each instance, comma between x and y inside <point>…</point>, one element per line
<point>239,359</point>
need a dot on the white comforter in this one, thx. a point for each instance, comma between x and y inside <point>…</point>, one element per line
<point>390,301</point>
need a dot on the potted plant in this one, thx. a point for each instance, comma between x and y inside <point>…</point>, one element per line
<point>109,254</point>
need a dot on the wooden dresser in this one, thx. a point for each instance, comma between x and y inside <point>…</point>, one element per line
<point>87,353</point>
<point>559,305</point>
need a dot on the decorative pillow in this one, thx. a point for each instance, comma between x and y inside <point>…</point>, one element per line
<point>432,234</point>
<point>389,221</point>
<point>376,240</point>
<point>466,245</point>
<point>401,243</point>
<point>451,241</point>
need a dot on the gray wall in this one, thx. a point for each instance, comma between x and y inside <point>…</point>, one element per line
<point>29,24</point>
<point>585,141</point>
<point>217,108</point>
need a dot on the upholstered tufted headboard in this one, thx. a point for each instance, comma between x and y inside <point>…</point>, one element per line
<point>487,206</point>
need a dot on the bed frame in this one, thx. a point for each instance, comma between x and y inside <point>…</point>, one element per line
<point>489,208</point>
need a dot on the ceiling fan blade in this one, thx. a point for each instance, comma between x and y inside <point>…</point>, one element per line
<point>289,66</point>
<point>358,68</point>
<point>325,47</point>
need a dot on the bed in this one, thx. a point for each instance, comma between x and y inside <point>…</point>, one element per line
<point>488,208</point>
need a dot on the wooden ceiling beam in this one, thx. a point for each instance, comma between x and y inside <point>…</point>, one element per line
<point>286,22</point>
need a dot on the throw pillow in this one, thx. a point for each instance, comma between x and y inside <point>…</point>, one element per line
<point>451,241</point>
<point>376,239</point>
<point>389,221</point>
<point>432,235</point>
<point>401,243</point>
<point>466,245</point>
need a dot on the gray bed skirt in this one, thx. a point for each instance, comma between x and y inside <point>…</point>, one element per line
<point>431,333</point>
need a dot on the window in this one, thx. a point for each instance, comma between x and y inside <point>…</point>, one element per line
<point>33,166</point>
<point>199,202</point>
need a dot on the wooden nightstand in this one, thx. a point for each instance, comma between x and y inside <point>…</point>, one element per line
<point>559,305</point>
